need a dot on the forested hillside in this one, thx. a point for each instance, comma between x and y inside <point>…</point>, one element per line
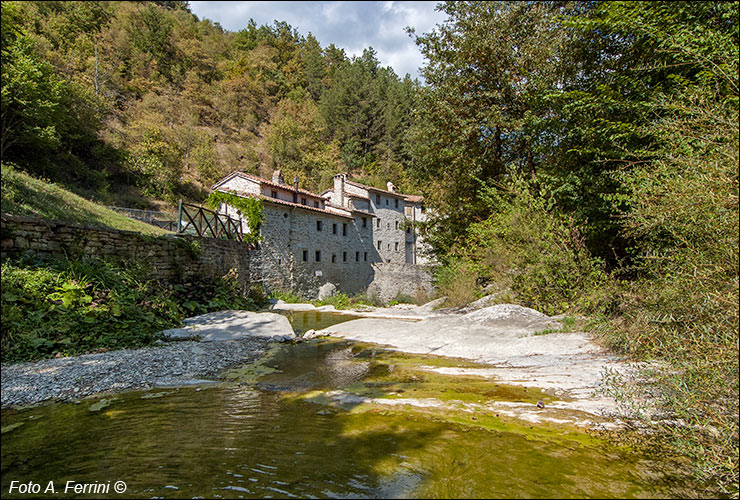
<point>129,101</point>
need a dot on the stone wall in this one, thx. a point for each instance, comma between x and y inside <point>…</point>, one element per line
<point>278,263</point>
<point>288,259</point>
<point>171,257</point>
<point>391,279</point>
<point>389,236</point>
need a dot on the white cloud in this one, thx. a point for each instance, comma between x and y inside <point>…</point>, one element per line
<point>353,26</point>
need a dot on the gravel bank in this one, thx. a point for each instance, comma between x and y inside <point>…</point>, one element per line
<point>176,363</point>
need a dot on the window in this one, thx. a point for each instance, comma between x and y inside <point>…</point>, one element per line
<point>273,194</point>
<point>334,257</point>
<point>305,256</point>
<point>318,255</point>
<point>344,229</point>
<point>389,246</point>
<point>380,243</point>
<point>377,199</point>
<point>408,230</point>
<point>303,201</point>
<point>357,256</point>
<point>386,202</point>
<point>365,256</point>
<point>396,224</point>
<point>334,228</point>
<point>316,204</point>
<point>396,203</point>
<point>364,222</point>
<point>378,223</point>
<point>318,225</point>
<point>344,256</point>
<point>396,246</point>
<point>388,225</point>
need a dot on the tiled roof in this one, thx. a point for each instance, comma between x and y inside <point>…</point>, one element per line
<point>358,196</point>
<point>287,203</point>
<point>286,187</point>
<point>414,198</point>
<point>371,188</point>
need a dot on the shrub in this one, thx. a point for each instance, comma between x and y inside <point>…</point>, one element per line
<point>458,280</point>
<point>529,248</point>
<point>74,306</point>
<point>339,300</point>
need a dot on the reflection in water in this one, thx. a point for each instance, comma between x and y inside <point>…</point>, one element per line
<point>239,441</point>
<point>302,321</point>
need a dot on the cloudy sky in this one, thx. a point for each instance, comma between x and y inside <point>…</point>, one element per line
<point>352,26</point>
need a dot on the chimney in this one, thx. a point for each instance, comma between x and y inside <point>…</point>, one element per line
<point>338,195</point>
<point>277,177</point>
<point>295,189</point>
<point>391,187</point>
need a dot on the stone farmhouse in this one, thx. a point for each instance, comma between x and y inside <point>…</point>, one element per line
<point>351,235</point>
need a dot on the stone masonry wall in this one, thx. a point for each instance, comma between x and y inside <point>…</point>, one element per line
<point>171,257</point>
<point>392,279</point>
<point>345,251</point>
<point>278,264</point>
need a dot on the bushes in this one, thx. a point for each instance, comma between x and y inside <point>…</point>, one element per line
<point>683,306</point>
<point>70,307</point>
<point>529,249</point>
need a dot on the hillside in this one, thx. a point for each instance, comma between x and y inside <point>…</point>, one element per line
<point>26,195</point>
<point>142,101</point>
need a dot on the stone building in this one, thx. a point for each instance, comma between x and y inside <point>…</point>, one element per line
<point>340,236</point>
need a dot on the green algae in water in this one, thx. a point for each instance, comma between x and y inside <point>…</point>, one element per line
<point>11,427</point>
<point>234,439</point>
<point>103,403</point>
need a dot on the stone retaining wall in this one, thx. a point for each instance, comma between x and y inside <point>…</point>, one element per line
<point>181,257</point>
<point>390,280</point>
<point>171,257</point>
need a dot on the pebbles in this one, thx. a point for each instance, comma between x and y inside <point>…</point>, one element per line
<point>176,363</point>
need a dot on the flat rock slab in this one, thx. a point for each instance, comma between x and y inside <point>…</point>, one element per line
<point>502,336</point>
<point>234,325</point>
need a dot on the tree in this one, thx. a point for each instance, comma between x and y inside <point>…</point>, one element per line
<point>487,66</point>
<point>31,93</point>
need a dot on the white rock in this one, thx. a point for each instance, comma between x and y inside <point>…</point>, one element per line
<point>327,290</point>
<point>231,325</point>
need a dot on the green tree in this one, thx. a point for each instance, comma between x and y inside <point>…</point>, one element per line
<point>487,65</point>
<point>31,93</point>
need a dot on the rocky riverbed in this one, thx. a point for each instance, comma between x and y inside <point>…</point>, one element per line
<point>219,340</point>
<point>509,341</point>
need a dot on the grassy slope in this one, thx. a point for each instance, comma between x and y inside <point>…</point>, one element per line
<point>26,195</point>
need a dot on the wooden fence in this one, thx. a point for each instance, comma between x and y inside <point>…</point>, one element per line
<point>194,219</point>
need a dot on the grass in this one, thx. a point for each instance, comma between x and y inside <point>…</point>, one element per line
<point>23,194</point>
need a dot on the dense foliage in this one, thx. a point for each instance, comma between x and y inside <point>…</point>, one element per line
<point>133,101</point>
<point>250,209</point>
<point>70,307</point>
<point>588,161</point>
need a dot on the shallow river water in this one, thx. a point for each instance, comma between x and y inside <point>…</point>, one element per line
<point>269,431</point>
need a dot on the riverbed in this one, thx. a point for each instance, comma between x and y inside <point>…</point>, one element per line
<point>333,418</point>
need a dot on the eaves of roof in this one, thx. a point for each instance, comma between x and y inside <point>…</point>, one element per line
<point>287,203</point>
<point>285,187</point>
<point>371,188</point>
